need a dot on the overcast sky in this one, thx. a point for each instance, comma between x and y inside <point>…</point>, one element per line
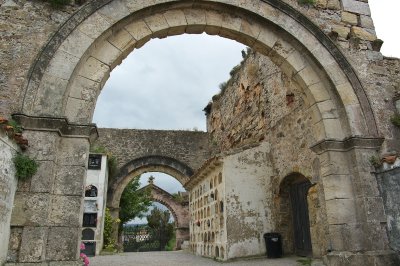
<point>167,83</point>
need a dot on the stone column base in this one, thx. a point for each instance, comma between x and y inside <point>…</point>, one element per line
<point>368,258</point>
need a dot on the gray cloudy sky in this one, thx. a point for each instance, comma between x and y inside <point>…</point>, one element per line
<point>167,83</point>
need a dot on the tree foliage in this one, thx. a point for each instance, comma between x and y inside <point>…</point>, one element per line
<point>134,203</point>
<point>159,221</point>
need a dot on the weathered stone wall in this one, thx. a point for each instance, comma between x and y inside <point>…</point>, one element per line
<point>188,147</point>
<point>8,185</point>
<point>46,218</point>
<point>248,201</point>
<point>381,79</point>
<point>261,105</point>
<point>389,185</point>
<point>25,27</point>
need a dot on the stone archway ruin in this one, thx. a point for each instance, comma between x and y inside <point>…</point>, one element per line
<point>179,210</point>
<point>58,100</point>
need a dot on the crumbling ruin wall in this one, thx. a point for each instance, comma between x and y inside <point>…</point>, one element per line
<point>261,105</point>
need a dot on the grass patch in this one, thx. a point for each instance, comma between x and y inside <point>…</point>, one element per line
<point>171,244</point>
<point>305,262</point>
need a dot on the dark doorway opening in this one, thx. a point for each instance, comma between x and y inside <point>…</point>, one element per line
<point>294,223</point>
<point>301,222</point>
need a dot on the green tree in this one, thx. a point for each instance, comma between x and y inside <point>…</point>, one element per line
<point>134,202</point>
<point>158,220</point>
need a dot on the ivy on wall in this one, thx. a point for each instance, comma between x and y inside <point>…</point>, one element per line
<point>306,2</point>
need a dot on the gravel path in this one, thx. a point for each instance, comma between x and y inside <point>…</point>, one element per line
<point>181,258</point>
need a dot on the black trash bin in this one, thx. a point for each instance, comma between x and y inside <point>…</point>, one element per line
<point>274,245</point>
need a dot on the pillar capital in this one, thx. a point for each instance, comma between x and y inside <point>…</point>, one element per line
<point>61,125</point>
<point>353,142</point>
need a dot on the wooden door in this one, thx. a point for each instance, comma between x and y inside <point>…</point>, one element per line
<point>301,222</point>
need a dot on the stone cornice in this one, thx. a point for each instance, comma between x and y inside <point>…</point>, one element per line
<point>347,144</point>
<point>203,171</point>
<point>57,124</point>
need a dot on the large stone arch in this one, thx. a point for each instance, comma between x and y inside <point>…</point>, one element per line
<point>142,165</point>
<point>68,75</point>
<point>76,62</point>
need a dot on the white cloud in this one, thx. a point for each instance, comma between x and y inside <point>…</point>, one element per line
<point>167,83</point>
<point>386,20</point>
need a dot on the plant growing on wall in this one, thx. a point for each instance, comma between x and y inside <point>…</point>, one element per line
<point>375,161</point>
<point>111,160</point>
<point>25,167</point>
<point>59,3</point>
<point>306,2</point>
<point>109,242</point>
<point>395,120</point>
<point>16,127</point>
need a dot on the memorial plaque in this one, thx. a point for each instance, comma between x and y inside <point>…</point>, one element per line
<point>94,161</point>
<point>90,206</point>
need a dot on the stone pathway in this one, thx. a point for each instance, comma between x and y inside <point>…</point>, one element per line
<point>183,258</point>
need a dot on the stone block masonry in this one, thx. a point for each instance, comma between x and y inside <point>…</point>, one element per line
<point>188,147</point>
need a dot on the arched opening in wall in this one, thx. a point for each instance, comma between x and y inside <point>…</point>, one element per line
<point>91,191</point>
<point>155,231</point>
<point>294,223</point>
<point>169,209</point>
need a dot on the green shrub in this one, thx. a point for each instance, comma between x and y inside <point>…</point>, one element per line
<point>171,244</point>
<point>25,167</point>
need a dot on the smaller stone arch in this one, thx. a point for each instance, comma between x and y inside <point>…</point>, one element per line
<point>138,166</point>
<point>179,210</point>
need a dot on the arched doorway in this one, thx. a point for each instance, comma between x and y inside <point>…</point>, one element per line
<point>294,211</point>
<point>169,166</point>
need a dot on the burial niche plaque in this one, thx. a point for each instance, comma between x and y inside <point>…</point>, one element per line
<point>94,162</point>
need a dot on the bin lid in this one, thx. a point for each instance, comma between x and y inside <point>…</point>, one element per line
<point>272,235</point>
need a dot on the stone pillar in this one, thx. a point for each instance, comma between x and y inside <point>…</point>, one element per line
<point>182,234</point>
<point>47,215</point>
<point>356,219</point>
